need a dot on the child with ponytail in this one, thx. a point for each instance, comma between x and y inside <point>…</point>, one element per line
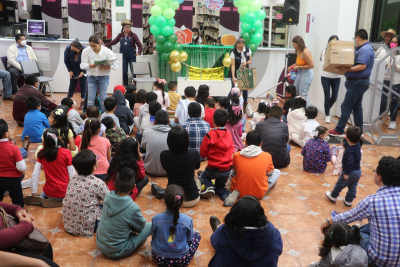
<point>341,247</point>
<point>235,125</point>
<point>99,145</point>
<point>174,242</point>
<point>162,98</point>
<point>316,151</point>
<point>57,166</point>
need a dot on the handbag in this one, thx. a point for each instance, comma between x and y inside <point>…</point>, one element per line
<point>293,74</point>
<point>247,78</point>
<point>35,242</point>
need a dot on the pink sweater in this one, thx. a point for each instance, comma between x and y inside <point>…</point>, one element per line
<point>236,132</point>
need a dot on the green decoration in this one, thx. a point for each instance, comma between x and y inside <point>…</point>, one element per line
<point>256,38</point>
<point>152,20</point>
<point>250,17</point>
<point>161,21</point>
<point>246,36</point>
<point>165,56</point>
<point>168,46</point>
<point>178,47</point>
<point>154,29</point>
<point>257,24</point>
<point>156,11</point>
<point>260,14</point>
<point>172,38</point>
<point>253,47</point>
<point>256,5</point>
<point>246,27</point>
<point>242,19</point>
<point>163,6</point>
<point>243,10</point>
<point>252,31</point>
<point>160,39</point>
<point>166,30</point>
<point>159,48</point>
<point>169,13</point>
<point>171,22</point>
<point>174,5</point>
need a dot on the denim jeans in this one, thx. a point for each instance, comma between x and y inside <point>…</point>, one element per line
<point>288,147</point>
<point>327,84</point>
<point>355,90</point>
<point>24,152</point>
<point>14,188</point>
<point>221,177</point>
<point>82,84</point>
<point>6,78</point>
<point>393,101</point>
<point>273,178</point>
<point>303,83</point>
<point>351,183</point>
<point>100,82</point>
<point>126,59</point>
<point>244,93</point>
<point>365,233</point>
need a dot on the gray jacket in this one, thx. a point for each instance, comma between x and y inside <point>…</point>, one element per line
<point>155,141</point>
<point>351,256</point>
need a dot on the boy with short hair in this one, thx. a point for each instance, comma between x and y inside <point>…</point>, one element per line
<point>35,121</point>
<point>120,217</point>
<point>174,97</point>
<point>148,121</point>
<point>181,114</point>
<point>73,116</point>
<point>196,127</point>
<point>351,170</point>
<point>12,167</point>
<point>307,129</point>
<point>224,103</point>
<point>144,110</point>
<point>209,109</point>
<point>217,147</point>
<point>130,95</point>
<point>291,97</point>
<point>110,104</point>
<point>113,133</point>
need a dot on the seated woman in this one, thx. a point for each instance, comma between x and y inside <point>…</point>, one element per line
<point>247,238</point>
<point>180,162</point>
<point>13,235</point>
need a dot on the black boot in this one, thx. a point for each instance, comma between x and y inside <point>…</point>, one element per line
<point>214,222</point>
<point>157,191</point>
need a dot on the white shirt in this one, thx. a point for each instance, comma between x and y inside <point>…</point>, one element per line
<point>182,111</point>
<point>199,41</point>
<point>388,67</point>
<point>307,130</point>
<point>242,53</point>
<point>325,73</point>
<point>89,57</point>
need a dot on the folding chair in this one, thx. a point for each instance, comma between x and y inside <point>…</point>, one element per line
<point>142,68</point>
<point>31,67</point>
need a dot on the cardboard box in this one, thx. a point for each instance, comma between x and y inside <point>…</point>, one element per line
<point>339,53</point>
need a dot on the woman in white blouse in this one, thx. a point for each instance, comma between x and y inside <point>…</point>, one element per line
<point>98,60</point>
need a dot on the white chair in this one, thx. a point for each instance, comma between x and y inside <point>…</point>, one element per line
<point>31,67</point>
<point>142,68</point>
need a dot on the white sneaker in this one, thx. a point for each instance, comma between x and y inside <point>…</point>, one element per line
<point>328,195</point>
<point>392,125</point>
<point>328,119</point>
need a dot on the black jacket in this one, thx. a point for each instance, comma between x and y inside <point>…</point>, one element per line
<point>70,63</point>
<point>123,113</point>
<point>274,137</point>
<point>238,59</point>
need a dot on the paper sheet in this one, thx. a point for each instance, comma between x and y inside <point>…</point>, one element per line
<point>42,52</point>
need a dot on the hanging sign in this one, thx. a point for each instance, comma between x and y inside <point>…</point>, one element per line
<point>214,4</point>
<point>184,36</point>
<point>119,2</point>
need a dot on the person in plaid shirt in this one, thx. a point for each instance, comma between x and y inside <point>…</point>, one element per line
<point>195,126</point>
<point>381,236</point>
<point>128,43</point>
<point>113,133</point>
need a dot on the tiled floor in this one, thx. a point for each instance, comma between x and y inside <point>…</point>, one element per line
<point>296,206</point>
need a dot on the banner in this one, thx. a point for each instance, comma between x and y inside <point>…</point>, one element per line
<point>206,74</point>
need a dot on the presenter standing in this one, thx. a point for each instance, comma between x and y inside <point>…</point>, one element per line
<point>128,43</point>
<point>72,60</point>
<point>241,58</point>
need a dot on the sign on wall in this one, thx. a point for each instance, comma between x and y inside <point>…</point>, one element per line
<point>119,2</point>
<point>214,4</point>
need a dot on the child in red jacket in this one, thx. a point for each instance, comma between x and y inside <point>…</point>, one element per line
<point>217,147</point>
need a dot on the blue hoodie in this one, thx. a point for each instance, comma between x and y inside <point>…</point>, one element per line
<point>258,247</point>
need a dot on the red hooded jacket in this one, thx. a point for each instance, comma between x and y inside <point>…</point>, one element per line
<point>217,147</point>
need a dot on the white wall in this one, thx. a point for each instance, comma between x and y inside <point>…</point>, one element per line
<point>332,17</point>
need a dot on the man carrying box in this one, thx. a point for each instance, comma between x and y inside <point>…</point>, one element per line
<point>357,82</point>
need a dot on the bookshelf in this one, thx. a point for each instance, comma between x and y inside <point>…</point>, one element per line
<point>148,38</point>
<point>207,21</point>
<point>275,32</point>
<point>101,18</point>
<point>64,17</point>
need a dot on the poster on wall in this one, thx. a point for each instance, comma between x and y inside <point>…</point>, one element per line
<point>308,23</point>
<point>312,24</point>
<point>184,36</point>
<point>214,4</point>
<point>42,52</point>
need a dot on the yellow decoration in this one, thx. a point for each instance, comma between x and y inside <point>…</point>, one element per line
<point>174,55</point>
<point>227,62</point>
<point>183,56</point>
<point>227,55</point>
<point>206,74</point>
<point>170,62</point>
<point>176,66</point>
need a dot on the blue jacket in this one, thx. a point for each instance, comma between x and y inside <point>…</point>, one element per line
<point>70,63</point>
<point>165,245</point>
<point>35,123</point>
<point>256,247</point>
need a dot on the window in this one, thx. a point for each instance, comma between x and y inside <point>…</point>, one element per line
<point>386,15</point>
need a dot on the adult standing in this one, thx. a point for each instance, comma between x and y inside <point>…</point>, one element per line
<point>241,58</point>
<point>329,80</point>
<point>72,60</point>
<point>128,43</point>
<point>196,38</point>
<point>380,237</point>
<point>7,87</point>
<point>98,75</point>
<point>304,64</point>
<point>386,36</point>
<point>357,82</point>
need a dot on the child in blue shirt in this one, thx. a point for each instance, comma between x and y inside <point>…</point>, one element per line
<point>35,121</point>
<point>173,241</point>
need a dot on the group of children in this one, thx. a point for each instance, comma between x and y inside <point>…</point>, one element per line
<point>110,165</point>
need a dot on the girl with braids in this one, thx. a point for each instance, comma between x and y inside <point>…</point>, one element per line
<point>341,247</point>
<point>173,241</point>
<point>59,120</point>
<point>100,146</point>
<point>57,165</point>
<point>162,97</point>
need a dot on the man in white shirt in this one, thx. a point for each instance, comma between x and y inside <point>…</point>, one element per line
<point>307,129</point>
<point>181,114</point>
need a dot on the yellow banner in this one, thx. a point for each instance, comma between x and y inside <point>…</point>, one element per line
<point>206,74</point>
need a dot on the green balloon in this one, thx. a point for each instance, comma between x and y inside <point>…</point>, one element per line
<point>242,18</point>
<point>243,10</point>
<point>256,38</point>
<point>166,30</point>
<point>152,20</point>
<point>171,22</point>
<point>252,31</point>
<point>255,5</point>
<point>163,6</point>
<point>245,2</point>
<point>154,29</point>
<point>250,17</point>
<point>257,24</point>
<point>261,30</point>
<point>169,13</point>
<point>253,47</point>
<point>168,46</point>
<point>260,14</point>
<point>246,27</point>
<point>174,5</point>
<point>165,56</point>
<point>178,47</point>
<point>246,36</point>
<point>159,48</point>
<point>237,3</point>
<point>156,11</point>
<point>161,21</point>
<point>160,39</point>
<point>172,38</point>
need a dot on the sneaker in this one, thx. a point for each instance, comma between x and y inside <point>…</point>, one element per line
<point>157,191</point>
<point>214,223</point>
<point>208,193</point>
<point>231,198</point>
<point>30,200</point>
<point>334,149</point>
<point>334,133</point>
<point>328,119</point>
<point>347,204</point>
<point>328,195</point>
<point>392,125</point>
<point>50,203</point>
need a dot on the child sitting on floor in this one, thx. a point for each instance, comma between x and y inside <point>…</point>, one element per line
<point>223,103</point>
<point>173,96</point>
<point>181,114</point>
<point>162,98</point>
<point>307,129</point>
<point>140,100</point>
<point>58,170</point>
<point>209,109</point>
<point>130,95</point>
<point>59,120</point>
<point>287,105</point>
<point>110,104</point>
<point>259,115</point>
<point>316,152</point>
<point>113,133</point>
<point>121,216</point>
<point>235,126</point>
<point>93,112</point>
<point>144,112</point>
<point>35,121</point>
<point>297,115</point>
<point>73,116</point>
<point>81,208</point>
<point>174,241</point>
<point>148,121</point>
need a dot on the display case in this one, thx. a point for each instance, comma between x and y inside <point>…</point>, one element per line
<point>275,32</point>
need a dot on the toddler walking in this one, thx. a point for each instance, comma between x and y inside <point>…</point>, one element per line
<point>316,152</point>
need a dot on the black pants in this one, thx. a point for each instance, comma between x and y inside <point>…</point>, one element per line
<point>14,73</point>
<point>47,257</point>
<point>140,184</point>
<point>13,186</point>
